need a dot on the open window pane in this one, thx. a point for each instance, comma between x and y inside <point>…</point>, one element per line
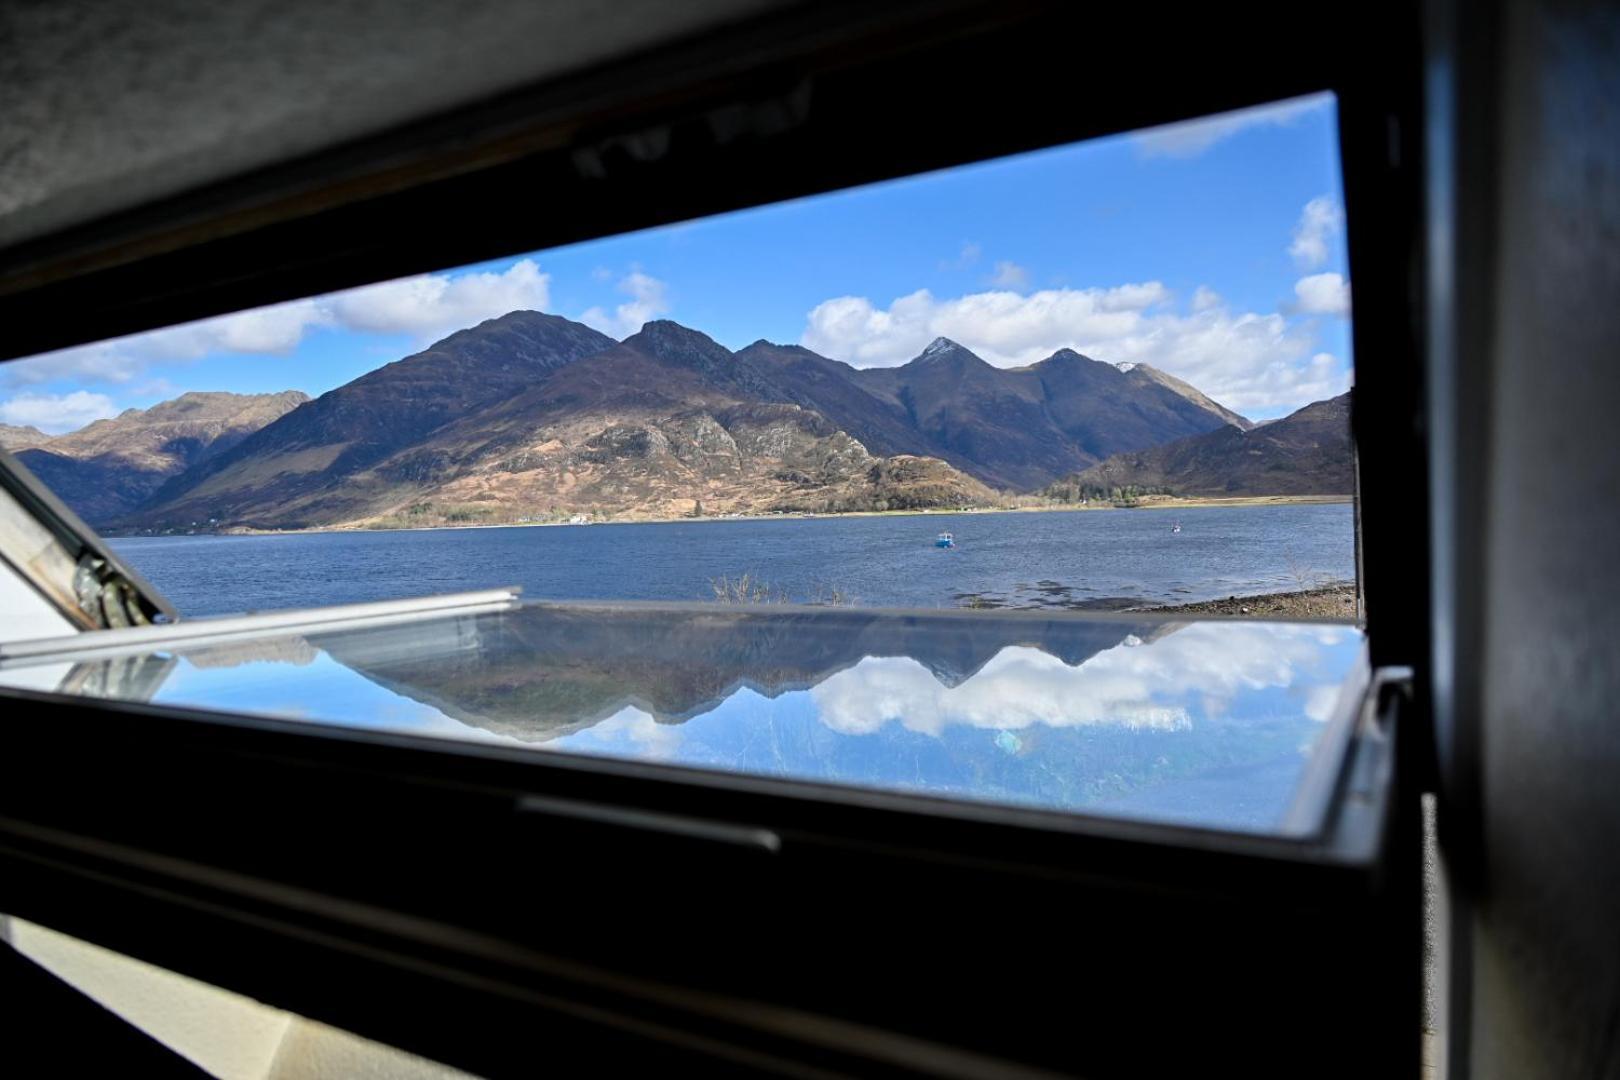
<point>1208,724</point>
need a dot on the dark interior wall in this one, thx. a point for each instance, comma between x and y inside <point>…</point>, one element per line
<point>110,104</point>
<point>1544,927</point>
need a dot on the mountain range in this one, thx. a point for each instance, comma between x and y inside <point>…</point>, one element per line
<point>534,417</point>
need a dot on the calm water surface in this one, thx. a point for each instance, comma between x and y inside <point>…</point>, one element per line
<point>1048,559</point>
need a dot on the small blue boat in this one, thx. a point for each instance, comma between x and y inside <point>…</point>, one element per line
<point>944,540</point>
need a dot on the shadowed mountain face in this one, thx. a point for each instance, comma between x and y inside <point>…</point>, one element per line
<point>1104,410</point>
<point>833,389</point>
<point>108,468</point>
<point>1305,453</point>
<point>973,412</point>
<point>1015,428</point>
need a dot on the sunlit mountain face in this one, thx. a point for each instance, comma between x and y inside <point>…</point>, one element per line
<point>1208,724</point>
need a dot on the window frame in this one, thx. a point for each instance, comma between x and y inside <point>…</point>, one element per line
<point>128,858</point>
<point>134,825</point>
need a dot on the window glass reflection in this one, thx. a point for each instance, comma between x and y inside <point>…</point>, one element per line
<point>1200,723</point>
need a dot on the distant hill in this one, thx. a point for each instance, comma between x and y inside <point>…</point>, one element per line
<point>307,455</point>
<point>1305,453</point>
<point>14,438</point>
<point>108,468</point>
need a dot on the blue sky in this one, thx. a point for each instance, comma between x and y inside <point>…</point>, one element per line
<point>1213,250</point>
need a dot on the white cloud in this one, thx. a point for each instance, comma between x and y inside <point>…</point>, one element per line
<point>1192,137</point>
<point>1199,669</point>
<point>1003,327</point>
<point>1245,360</point>
<point>629,732</point>
<point>274,330</point>
<point>426,306</point>
<point>649,298</point>
<point>57,413</point>
<point>1205,298</point>
<point>1009,275</point>
<point>1322,294</point>
<point>1320,221</point>
<point>431,305</point>
<point>103,363</point>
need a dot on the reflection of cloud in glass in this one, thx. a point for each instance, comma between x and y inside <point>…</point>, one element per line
<point>1135,685</point>
<point>1207,723</point>
<point>630,731</point>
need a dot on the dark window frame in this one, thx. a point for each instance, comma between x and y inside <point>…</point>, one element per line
<point>185,862</point>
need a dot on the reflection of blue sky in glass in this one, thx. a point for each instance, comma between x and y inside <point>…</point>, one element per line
<point>321,689</point>
<point>1209,723</point>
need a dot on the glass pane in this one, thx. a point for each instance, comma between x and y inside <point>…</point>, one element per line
<point>1211,724</point>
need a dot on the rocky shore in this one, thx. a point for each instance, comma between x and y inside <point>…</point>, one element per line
<point>1331,602</point>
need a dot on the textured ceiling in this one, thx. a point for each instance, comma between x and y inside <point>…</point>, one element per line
<point>109,104</point>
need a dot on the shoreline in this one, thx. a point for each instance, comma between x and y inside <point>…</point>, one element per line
<point>1156,502</point>
<point>1336,601</point>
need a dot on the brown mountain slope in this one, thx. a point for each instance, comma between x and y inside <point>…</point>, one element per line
<point>14,437</point>
<point>167,433</point>
<point>111,466</point>
<point>1305,453</point>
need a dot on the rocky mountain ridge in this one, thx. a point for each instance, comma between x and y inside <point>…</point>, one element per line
<point>532,417</point>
